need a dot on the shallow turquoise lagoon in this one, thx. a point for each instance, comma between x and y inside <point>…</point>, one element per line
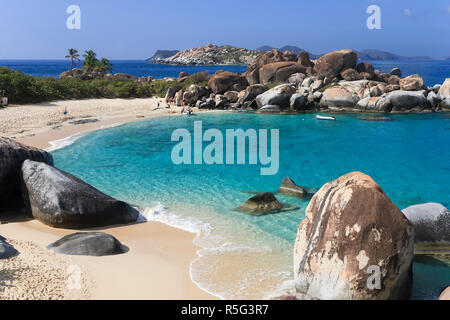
<point>251,257</point>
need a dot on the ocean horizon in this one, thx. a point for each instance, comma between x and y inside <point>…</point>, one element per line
<point>432,71</point>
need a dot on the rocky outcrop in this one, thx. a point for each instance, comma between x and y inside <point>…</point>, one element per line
<point>251,92</point>
<point>95,244</point>
<point>280,96</point>
<point>288,186</point>
<point>263,203</point>
<point>76,73</point>
<point>12,155</point>
<point>160,55</point>
<point>211,55</point>
<point>353,231</point>
<point>339,97</point>
<point>194,93</point>
<point>351,75</point>
<point>172,91</point>
<point>411,83</point>
<point>444,94</point>
<point>227,81</point>
<point>273,56</point>
<point>61,200</point>
<point>374,104</point>
<point>6,250</point>
<point>279,71</point>
<point>232,96</point>
<point>396,72</point>
<point>304,60</point>
<point>366,68</point>
<point>298,102</point>
<point>406,100</point>
<point>332,64</point>
<point>431,222</point>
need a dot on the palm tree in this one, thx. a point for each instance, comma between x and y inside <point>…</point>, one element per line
<point>90,61</point>
<point>103,66</point>
<point>73,56</point>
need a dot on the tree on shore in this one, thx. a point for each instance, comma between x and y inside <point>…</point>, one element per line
<point>73,56</point>
<point>90,61</point>
<point>103,66</point>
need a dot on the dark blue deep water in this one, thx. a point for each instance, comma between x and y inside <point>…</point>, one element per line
<point>432,71</point>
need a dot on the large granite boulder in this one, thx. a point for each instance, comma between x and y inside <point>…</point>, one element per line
<point>351,75</point>
<point>374,104</point>
<point>279,71</point>
<point>280,96</point>
<point>433,99</point>
<point>396,72</point>
<point>367,68</point>
<point>339,97</point>
<point>76,73</point>
<point>406,100</point>
<point>194,93</point>
<point>332,64</point>
<point>288,186</point>
<point>263,203</point>
<point>251,92</point>
<point>123,77</point>
<point>431,222</point>
<point>353,231</point>
<point>253,75</point>
<point>444,94</point>
<point>411,83</point>
<point>227,81</point>
<point>304,60</point>
<point>61,200</point>
<point>298,102</point>
<point>95,244</point>
<point>6,250</point>
<point>172,91</point>
<point>12,155</point>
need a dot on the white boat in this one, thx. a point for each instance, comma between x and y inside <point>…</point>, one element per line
<point>325,118</point>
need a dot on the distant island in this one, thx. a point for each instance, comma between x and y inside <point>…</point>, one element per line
<point>228,55</point>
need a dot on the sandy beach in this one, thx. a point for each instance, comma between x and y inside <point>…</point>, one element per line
<point>157,265</point>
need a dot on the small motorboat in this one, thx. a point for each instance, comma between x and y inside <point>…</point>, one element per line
<point>318,117</point>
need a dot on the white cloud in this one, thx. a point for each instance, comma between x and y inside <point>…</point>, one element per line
<point>407,12</point>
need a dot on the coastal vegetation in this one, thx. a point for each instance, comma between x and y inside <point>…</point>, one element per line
<point>22,88</point>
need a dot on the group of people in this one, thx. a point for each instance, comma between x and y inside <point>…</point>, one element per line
<point>185,109</point>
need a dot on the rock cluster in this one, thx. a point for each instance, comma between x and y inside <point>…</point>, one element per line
<point>335,82</point>
<point>211,55</point>
<point>263,203</point>
<point>56,198</point>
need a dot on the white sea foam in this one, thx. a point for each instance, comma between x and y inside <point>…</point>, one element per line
<point>62,143</point>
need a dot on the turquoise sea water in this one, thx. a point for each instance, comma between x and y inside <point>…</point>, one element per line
<point>250,257</point>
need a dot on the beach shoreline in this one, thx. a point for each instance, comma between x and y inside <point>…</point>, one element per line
<point>158,263</point>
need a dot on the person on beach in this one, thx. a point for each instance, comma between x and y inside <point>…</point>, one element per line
<point>65,113</point>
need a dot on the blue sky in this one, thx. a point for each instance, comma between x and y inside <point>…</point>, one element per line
<point>134,29</point>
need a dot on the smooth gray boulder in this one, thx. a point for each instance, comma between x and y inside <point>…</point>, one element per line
<point>12,155</point>
<point>298,101</point>
<point>444,94</point>
<point>431,222</point>
<point>61,200</point>
<point>374,104</point>
<point>263,203</point>
<point>6,250</point>
<point>280,96</point>
<point>405,100</point>
<point>88,244</point>
<point>433,99</point>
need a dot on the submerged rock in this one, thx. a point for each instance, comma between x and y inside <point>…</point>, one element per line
<point>12,155</point>
<point>6,250</point>
<point>352,230</point>
<point>61,200</point>
<point>288,186</point>
<point>88,244</point>
<point>263,203</point>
